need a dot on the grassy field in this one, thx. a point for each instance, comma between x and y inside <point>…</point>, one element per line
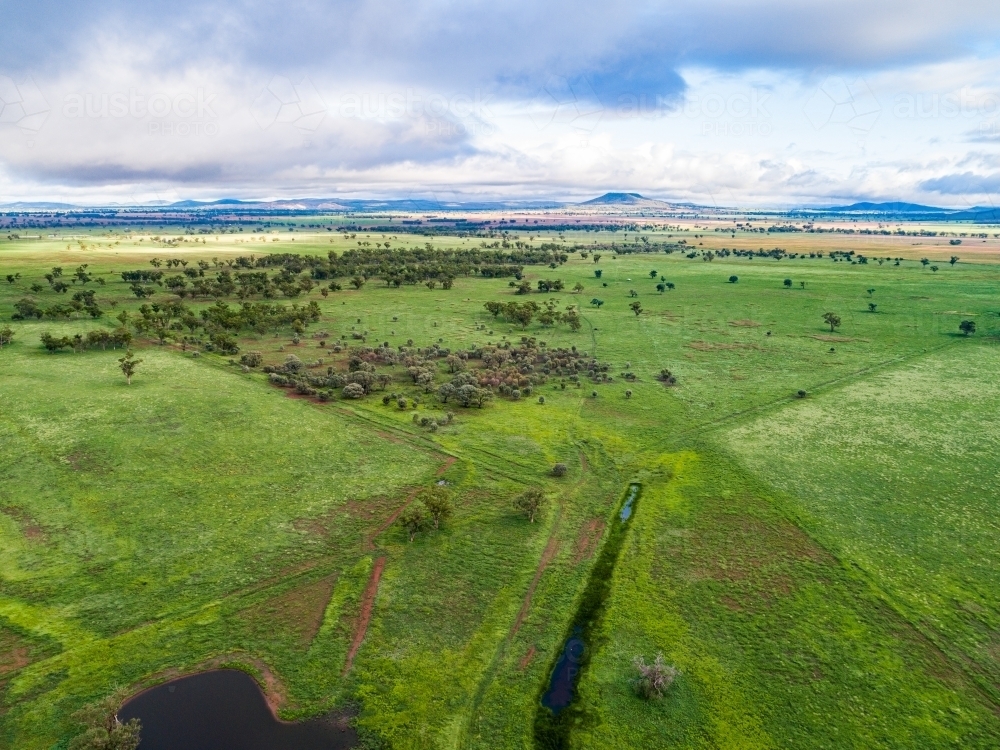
<point>822,570</point>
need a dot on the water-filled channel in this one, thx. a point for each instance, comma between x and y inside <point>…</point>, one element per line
<point>553,721</point>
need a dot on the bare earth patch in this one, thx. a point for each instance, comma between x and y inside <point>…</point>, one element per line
<point>13,660</point>
<point>29,527</point>
<point>548,555</point>
<point>298,611</point>
<point>745,323</point>
<point>365,614</point>
<point>588,539</point>
<point>526,659</point>
<point>708,346</point>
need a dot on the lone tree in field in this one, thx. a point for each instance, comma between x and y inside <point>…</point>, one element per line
<point>102,729</point>
<point>128,365</point>
<point>530,502</point>
<point>6,335</point>
<point>832,320</point>
<point>636,307</point>
<point>438,505</point>
<point>967,327</point>
<point>734,279</point>
<point>788,283</point>
<point>871,291</point>
<point>413,520</point>
<point>871,307</point>
<point>654,679</point>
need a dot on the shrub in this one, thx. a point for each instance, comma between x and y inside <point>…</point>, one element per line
<point>654,679</point>
<point>559,470</point>
<point>666,377</point>
<point>252,359</point>
<point>353,390</point>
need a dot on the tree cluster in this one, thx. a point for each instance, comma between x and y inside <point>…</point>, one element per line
<point>100,338</point>
<point>522,313</point>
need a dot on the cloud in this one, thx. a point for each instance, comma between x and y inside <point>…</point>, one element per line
<point>689,98</point>
<point>966,183</point>
<point>515,42</point>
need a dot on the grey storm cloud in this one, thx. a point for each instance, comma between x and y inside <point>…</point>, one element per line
<point>633,46</point>
<point>966,183</point>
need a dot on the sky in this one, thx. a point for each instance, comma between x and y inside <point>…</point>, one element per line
<point>763,103</point>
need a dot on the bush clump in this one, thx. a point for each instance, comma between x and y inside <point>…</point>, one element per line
<point>654,679</point>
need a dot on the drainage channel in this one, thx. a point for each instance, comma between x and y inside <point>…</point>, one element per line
<point>558,714</point>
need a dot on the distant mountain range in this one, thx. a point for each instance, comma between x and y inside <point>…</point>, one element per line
<point>336,204</point>
<point>619,201</point>
<point>979,214</point>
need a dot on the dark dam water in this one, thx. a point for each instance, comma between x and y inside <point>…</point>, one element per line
<point>224,710</point>
<point>557,714</point>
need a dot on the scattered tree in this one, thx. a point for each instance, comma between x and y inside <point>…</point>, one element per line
<point>832,320</point>
<point>413,520</point>
<point>530,502</point>
<point>559,470</point>
<point>102,729</point>
<point>597,271</point>
<point>967,327</point>
<point>636,307</point>
<point>871,307</point>
<point>6,335</point>
<point>733,279</point>
<point>128,365</point>
<point>788,283</point>
<point>437,503</point>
